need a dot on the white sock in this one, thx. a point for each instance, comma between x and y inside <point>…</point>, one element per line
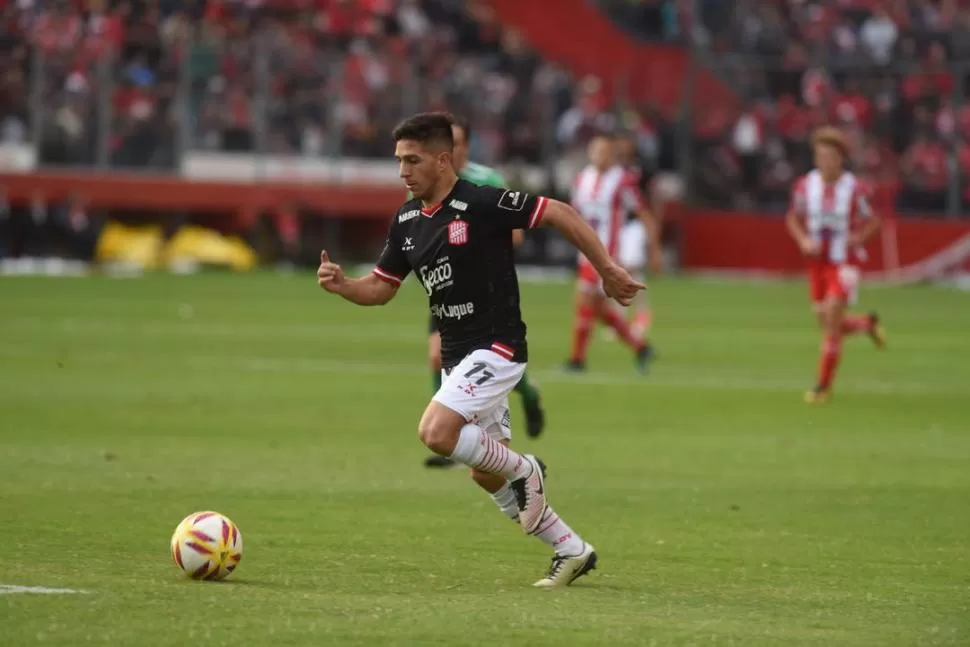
<point>505,500</point>
<point>554,532</point>
<point>476,449</point>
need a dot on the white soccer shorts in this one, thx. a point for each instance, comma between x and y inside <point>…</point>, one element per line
<point>478,388</point>
<point>633,246</point>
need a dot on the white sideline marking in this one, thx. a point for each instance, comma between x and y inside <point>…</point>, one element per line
<point>6,589</point>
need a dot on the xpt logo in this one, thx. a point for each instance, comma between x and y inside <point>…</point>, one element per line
<point>435,277</point>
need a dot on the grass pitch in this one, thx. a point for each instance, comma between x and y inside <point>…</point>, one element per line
<point>725,511</point>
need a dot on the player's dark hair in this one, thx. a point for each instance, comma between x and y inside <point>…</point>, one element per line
<point>464,124</point>
<point>428,128</point>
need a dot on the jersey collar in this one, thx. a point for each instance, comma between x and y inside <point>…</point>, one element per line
<point>430,212</point>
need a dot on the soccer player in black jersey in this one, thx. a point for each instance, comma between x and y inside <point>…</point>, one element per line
<point>456,237</point>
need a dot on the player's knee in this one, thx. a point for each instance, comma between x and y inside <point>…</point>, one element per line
<point>830,318</point>
<point>439,432</point>
<point>601,307</point>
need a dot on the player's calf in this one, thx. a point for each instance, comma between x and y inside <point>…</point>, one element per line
<point>501,491</point>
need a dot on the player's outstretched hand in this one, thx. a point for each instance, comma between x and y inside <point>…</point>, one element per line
<point>329,275</point>
<point>619,285</point>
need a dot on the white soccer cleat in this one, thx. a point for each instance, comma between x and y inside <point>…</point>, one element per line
<point>530,494</point>
<point>565,570</point>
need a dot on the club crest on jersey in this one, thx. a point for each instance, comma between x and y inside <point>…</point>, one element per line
<point>457,232</point>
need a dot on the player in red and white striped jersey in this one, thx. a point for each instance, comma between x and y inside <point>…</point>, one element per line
<point>639,240</point>
<point>831,220</point>
<point>604,193</point>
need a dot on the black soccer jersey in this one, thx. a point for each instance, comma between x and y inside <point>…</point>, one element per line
<point>461,252</point>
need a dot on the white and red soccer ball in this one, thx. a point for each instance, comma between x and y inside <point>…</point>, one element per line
<point>207,546</point>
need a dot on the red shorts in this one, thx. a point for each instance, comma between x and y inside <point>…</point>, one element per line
<point>827,281</point>
<point>588,278</point>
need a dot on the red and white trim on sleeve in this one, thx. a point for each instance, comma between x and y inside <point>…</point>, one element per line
<point>536,216</point>
<point>503,350</point>
<point>387,277</point>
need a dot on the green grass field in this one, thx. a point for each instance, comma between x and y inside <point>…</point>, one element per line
<point>725,511</point>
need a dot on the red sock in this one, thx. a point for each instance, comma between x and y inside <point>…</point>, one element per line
<point>855,323</point>
<point>615,320</point>
<point>829,360</point>
<point>582,326</point>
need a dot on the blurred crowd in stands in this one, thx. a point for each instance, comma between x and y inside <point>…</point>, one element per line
<point>309,77</point>
<point>891,73</point>
<point>134,83</point>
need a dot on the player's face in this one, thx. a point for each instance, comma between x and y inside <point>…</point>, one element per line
<point>601,152</point>
<point>460,151</point>
<point>828,160</point>
<point>420,167</point>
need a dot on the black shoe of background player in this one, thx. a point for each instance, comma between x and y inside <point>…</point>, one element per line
<point>535,417</point>
<point>440,462</point>
<point>644,356</point>
<point>574,366</point>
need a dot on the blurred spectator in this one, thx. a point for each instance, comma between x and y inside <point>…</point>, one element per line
<point>75,230</point>
<point>888,71</point>
<point>924,169</point>
<point>879,35</point>
<point>747,141</point>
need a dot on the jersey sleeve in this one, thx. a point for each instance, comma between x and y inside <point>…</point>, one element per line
<point>508,209</point>
<point>392,266</point>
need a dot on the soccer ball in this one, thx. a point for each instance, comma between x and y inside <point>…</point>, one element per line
<point>207,546</point>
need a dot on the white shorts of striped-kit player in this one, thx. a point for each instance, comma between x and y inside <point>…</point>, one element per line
<point>633,246</point>
<point>478,388</point>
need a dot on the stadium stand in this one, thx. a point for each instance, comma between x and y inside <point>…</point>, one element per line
<point>724,100</point>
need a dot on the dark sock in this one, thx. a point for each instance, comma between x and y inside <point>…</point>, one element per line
<point>525,388</point>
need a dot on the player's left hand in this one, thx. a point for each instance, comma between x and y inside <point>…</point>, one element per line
<point>619,285</point>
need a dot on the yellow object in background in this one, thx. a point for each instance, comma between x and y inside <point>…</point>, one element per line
<point>208,247</point>
<point>136,246</point>
<point>144,247</point>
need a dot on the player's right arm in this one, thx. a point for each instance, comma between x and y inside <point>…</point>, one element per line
<point>794,221</point>
<point>378,287</point>
<point>370,290</point>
